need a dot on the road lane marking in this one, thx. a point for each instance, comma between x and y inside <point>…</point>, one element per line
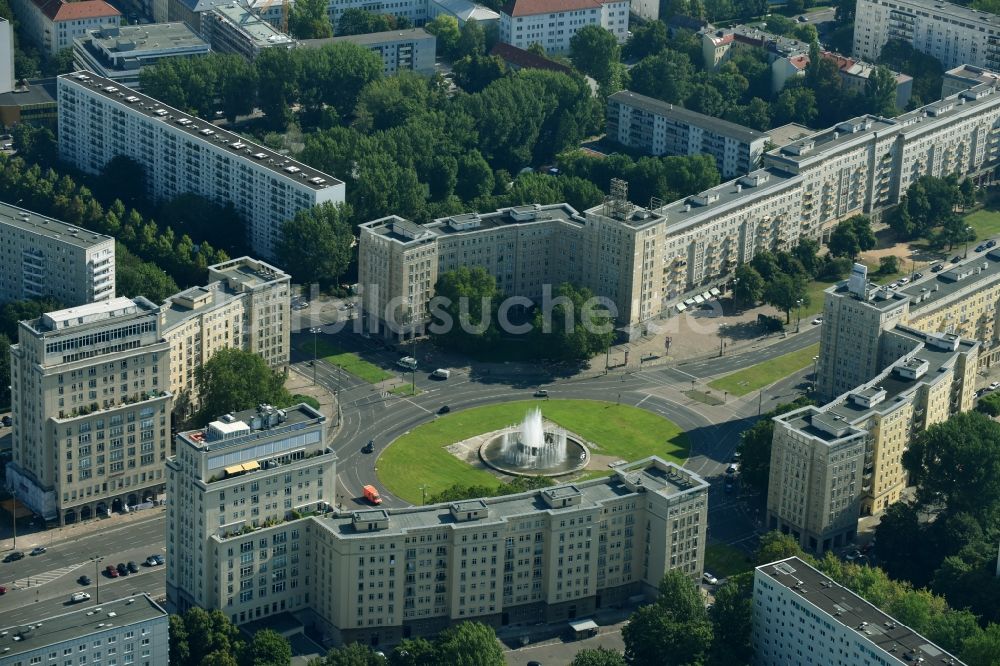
<point>47,577</point>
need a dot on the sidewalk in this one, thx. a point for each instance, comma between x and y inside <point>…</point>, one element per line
<point>26,539</point>
<point>300,383</point>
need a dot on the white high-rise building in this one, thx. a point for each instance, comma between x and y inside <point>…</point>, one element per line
<point>92,410</point>
<point>953,34</point>
<point>41,256</point>
<point>552,23</point>
<point>100,120</point>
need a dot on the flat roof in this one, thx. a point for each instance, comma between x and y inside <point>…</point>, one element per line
<point>928,293</point>
<point>138,39</point>
<point>786,134</point>
<point>37,92</point>
<point>295,417</point>
<point>97,313</point>
<point>36,630</point>
<point>832,138</point>
<point>257,29</point>
<point>25,220</point>
<point>372,38</point>
<point>680,114</point>
<point>878,296</point>
<point>852,611</point>
<point>941,8</point>
<point>202,130</point>
<point>248,271</point>
<point>649,474</point>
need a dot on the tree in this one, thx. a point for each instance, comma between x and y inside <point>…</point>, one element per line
<point>267,648</point>
<point>355,21</point>
<point>844,242</point>
<point>470,644</point>
<point>471,40</point>
<point>989,404</point>
<point>982,649</point>
<point>599,657</point>
<point>880,92</point>
<point>354,654</point>
<point>414,652</point>
<point>577,327</point>
<point>666,76</point>
<point>888,265</point>
<point>238,89</point>
<point>277,90</point>
<point>796,105</point>
<point>475,72</point>
<point>646,40</point>
<point>674,630</point>
<point>464,313</point>
<point>233,380</point>
<point>200,637</point>
<point>179,650</point>
<point>308,19</point>
<point>748,286</point>
<point>596,52</point>
<point>35,143</point>
<point>786,292</point>
<point>445,28</point>
<point>13,312</point>
<point>135,277</point>
<point>732,620</point>
<point>776,546</point>
<point>316,245</point>
<point>956,464</point>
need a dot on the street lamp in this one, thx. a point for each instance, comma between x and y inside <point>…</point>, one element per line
<point>965,255</point>
<point>815,373</point>
<point>798,314</point>
<point>315,330</point>
<point>97,578</point>
<point>13,515</point>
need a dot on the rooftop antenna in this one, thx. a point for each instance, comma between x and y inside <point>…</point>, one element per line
<point>616,204</point>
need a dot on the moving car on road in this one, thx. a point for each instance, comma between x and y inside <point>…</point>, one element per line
<point>83,580</point>
<point>541,393</point>
<point>37,550</point>
<point>14,557</point>
<point>77,597</point>
<point>369,447</point>
<point>709,578</point>
<point>371,494</point>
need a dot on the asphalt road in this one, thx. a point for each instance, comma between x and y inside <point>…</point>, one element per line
<point>45,582</point>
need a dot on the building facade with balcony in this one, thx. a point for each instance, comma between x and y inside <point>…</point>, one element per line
<point>953,34</point>
<point>245,305</point>
<point>52,25</point>
<point>377,576</point>
<point>89,391</point>
<point>100,120</point>
<point>40,256</point>
<point>236,488</point>
<point>412,50</point>
<point>659,128</point>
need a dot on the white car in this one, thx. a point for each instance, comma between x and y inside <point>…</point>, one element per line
<point>994,386</point>
<point>709,578</point>
<point>817,321</point>
<point>77,597</point>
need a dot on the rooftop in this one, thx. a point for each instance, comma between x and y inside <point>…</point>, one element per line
<point>60,10</point>
<point>465,10</point>
<point>92,313</point>
<point>406,232</point>
<point>202,130</point>
<point>973,74</point>
<point>141,39</point>
<point>374,38</point>
<point>679,113</point>
<point>34,630</point>
<point>928,293</point>
<point>845,607</point>
<point>13,217</point>
<point>259,31</point>
<point>951,11</point>
<point>876,296</point>
<point>783,46</point>
<point>251,424</point>
<point>533,7</point>
<point>36,92</point>
<point>788,133</point>
<point>526,59</point>
<point>247,272</point>
<point>647,475</point>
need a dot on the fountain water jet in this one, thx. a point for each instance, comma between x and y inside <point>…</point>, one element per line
<point>530,449</point>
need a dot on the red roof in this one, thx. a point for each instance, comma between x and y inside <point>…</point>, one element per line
<point>520,59</point>
<point>533,7</point>
<point>799,61</point>
<point>59,10</point>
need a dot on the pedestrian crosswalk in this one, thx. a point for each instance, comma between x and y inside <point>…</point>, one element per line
<point>47,577</point>
<point>385,395</point>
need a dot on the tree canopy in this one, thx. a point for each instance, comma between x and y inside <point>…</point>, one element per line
<point>234,380</point>
<point>316,245</point>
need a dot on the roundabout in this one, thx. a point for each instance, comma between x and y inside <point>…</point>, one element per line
<point>569,439</point>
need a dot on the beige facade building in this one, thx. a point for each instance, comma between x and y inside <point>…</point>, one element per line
<point>246,305</point>
<point>89,389</point>
<point>234,488</point>
<point>646,260</point>
<point>377,576</point>
<point>41,256</point>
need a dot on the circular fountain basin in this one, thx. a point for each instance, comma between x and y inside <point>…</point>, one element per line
<point>575,457</point>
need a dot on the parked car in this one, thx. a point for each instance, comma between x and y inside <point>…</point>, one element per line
<point>3,590</point>
<point>444,409</point>
<point>77,597</point>
<point>956,259</point>
<point>893,285</point>
<point>132,567</point>
<point>14,556</point>
<point>991,243</point>
<point>936,268</point>
<point>709,578</point>
<point>817,321</point>
<point>733,468</point>
<point>980,248</point>
<point>37,550</point>
<point>994,386</point>
<point>369,447</point>
<point>122,569</point>
<point>802,19</point>
<point>917,276</point>
<point>541,393</point>
<point>7,421</point>
<point>83,580</point>
<point>110,571</point>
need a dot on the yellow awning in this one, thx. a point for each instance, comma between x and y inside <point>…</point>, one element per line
<point>235,469</point>
<point>251,466</point>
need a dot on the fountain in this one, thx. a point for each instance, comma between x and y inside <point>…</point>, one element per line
<point>530,449</point>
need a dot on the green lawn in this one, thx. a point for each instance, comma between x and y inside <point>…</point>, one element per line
<point>621,431</point>
<point>349,361</point>
<point>405,389</point>
<point>985,222</point>
<point>764,374</point>
<point>723,560</point>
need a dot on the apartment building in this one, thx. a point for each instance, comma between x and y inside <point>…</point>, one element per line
<point>234,29</point>
<point>376,576</point>
<point>6,56</point>
<point>801,616</point>
<point>552,23</point>
<point>245,305</point>
<point>953,34</point>
<point>131,630</point>
<point>89,388</point>
<point>412,50</point>
<point>236,489</point>
<point>964,77</point>
<point>41,256</point>
<point>719,44</point>
<point>659,128</point>
<point>119,53</point>
<point>99,120</point>
<point>52,25</point>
